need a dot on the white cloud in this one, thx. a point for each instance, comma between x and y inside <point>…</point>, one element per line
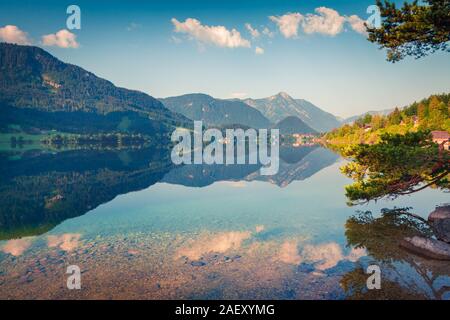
<point>17,246</point>
<point>12,34</point>
<point>217,243</point>
<point>176,40</point>
<point>327,21</point>
<point>133,26</point>
<point>357,24</point>
<point>288,253</point>
<point>268,33</point>
<point>259,228</point>
<point>254,32</point>
<point>66,241</point>
<point>216,35</point>
<point>288,23</point>
<point>259,50</point>
<point>239,95</point>
<point>328,255</point>
<point>63,39</point>
<point>323,256</point>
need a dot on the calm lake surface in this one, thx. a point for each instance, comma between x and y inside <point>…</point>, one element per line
<point>139,227</point>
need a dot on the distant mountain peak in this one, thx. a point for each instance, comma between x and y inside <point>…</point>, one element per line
<point>284,95</point>
<point>281,95</point>
<point>195,94</point>
<point>282,105</point>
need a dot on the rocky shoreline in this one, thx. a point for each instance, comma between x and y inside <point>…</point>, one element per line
<point>439,248</point>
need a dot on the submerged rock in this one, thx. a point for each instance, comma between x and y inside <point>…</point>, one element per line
<point>430,248</point>
<point>442,229</point>
<point>442,212</point>
<point>306,267</point>
<point>198,263</point>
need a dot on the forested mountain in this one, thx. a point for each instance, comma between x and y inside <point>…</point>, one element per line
<point>352,119</point>
<point>292,125</point>
<point>33,80</point>
<point>428,114</point>
<point>216,112</point>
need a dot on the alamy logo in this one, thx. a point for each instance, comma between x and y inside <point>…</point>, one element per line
<point>374,21</point>
<point>74,20</point>
<point>374,280</point>
<point>74,280</point>
<point>241,147</point>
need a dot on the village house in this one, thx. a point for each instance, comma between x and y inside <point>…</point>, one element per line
<point>441,137</point>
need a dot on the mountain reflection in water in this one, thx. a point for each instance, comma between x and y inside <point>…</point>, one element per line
<point>39,191</point>
<point>140,227</point>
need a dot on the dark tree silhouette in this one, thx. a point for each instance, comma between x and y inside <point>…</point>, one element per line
<point>412,30</point>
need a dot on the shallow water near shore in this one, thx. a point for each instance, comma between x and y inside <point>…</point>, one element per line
<point>140,228</point>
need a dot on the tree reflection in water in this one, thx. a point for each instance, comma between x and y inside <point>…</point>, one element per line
<point>381,238</point>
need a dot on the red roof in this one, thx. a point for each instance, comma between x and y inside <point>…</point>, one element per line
<point>440,135</point>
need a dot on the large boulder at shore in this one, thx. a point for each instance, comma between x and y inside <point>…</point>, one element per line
<point>442,229</point>
<point>440,221</point>
<point>427,247</point>
<point>442,212</point>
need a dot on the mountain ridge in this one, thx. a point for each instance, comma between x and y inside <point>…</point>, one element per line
<point>31,77</point>
<point>215,112</point>
<point>32,80</point>
<point>37,90</point>
<point>280,106</point>
<point>293,125</point>
<point>371,112</point>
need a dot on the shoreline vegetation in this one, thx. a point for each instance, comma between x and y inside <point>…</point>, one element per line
<point>399,154</point>
<point>396,154</point>
<point>54,140</point>
<point>17,138</point>
<point>100,140</point>
<point>430,114</point>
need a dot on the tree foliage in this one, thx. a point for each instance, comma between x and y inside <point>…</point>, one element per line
<point>397,165</point>
<point>416,29</point>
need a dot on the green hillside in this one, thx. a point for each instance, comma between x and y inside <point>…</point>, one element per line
<point>431,113</point>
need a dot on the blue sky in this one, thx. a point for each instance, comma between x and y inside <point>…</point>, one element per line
<point>135,44</point>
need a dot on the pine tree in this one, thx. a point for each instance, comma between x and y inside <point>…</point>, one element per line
<point>395,117</point>
<point>413,30</point>
<point>422,111</point>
